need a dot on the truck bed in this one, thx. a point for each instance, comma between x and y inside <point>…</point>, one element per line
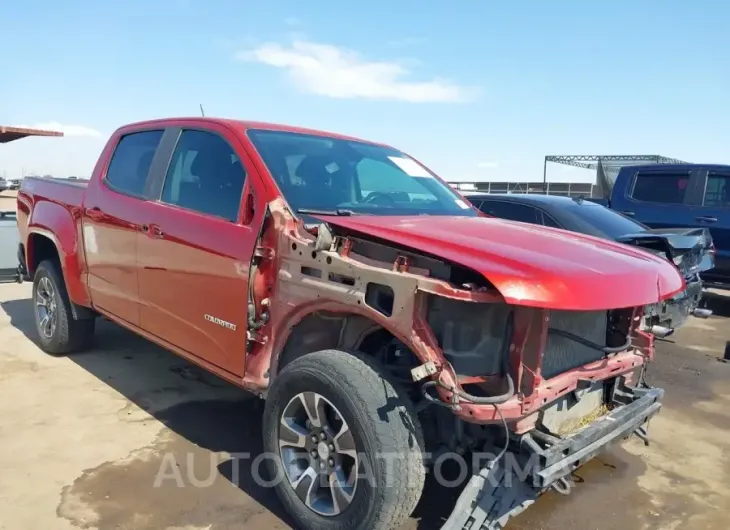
<point>63,191</point>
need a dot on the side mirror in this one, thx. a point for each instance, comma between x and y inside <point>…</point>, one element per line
<point>249,209</point>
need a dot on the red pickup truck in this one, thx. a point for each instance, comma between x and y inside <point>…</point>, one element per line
<point>385,321</point>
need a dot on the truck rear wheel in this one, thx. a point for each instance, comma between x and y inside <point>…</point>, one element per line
<point>345,446</point>
<point>58,331</point>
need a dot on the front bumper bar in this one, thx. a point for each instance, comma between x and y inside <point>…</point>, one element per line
<point>570,453</point>
<point>496,493</point>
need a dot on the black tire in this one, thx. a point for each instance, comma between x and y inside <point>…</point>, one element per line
<point>382,420</point>
<point>69,335</point>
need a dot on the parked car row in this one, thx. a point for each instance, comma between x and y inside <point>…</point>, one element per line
<point>10,184</point>
<point>680,196</point>
<point>690,249</point>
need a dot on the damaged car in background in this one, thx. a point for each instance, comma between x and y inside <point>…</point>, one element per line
<point>691,250</point>
<point>383,320</point>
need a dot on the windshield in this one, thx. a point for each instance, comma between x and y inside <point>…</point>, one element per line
<point>323,174</point>
<point>598,220</point>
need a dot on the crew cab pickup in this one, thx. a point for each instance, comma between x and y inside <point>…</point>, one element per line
<point>382,318</point>
<point>679,196</point>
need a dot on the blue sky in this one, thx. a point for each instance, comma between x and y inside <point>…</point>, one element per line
<point>476,89</point>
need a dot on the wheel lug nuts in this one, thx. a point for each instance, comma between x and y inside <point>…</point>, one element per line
<point>323,436</point>
<point>314,454</point>
<point>322,465</point>
<point>314,438</point>
<point>331,462</point>
<point>332,447</point>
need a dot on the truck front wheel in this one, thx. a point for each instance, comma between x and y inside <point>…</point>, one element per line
<point>344,445</point>
<point>58,331</point>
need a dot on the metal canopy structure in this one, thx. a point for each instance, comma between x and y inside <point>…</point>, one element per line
<point>606,167</point>
<point>9,134</point>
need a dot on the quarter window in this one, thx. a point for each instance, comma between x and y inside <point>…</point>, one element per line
<point>205,175</point>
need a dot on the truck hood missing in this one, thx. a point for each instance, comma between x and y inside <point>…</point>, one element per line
<point>530,265</point>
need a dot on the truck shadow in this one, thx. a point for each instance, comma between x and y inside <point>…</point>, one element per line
<point>209,417</point>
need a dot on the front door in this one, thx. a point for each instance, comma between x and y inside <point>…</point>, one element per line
<point>195,251</point>
<point>661,198</point>
<point>110,223</point>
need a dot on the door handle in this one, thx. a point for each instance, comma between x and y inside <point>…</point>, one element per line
<point>94,213</point>
<point>706,219</point>
<point>628,212</point>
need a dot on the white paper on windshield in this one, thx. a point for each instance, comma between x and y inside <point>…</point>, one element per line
<point>411,167</point>
<point>461,204</point>
<point>332,167</point>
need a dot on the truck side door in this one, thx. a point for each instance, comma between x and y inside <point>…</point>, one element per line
<point>659,198</point>
<point>713,212</point>
<point>195,250</point>
<point>110,222</point>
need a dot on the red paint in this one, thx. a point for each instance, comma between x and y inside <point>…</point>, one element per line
<point>533,265</point>
<point>158,270</point>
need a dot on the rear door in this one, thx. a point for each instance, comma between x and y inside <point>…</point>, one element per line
<point>660,198</point>
<point>713,212</point>
<point>196,248</point>
<point>111,220</point>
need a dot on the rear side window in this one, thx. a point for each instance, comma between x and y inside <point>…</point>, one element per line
<point>131,161</point>
<point>717,190</point>
<point>510,210</point>
<point>547,220</point>
<point>659,187</point>
<point>205,175</point>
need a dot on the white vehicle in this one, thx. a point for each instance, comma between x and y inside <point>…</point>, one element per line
<point>14,183</point>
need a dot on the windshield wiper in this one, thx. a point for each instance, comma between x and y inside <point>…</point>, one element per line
<point>339,212</point>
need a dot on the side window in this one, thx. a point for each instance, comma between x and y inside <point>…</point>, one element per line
<point>547,220</point>
<point>131,161</point>
<point>510,210</point>
<point>659,187</point>
<point>205,175</point>
<point>717,191</point>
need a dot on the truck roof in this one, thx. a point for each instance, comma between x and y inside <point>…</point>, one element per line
<point>678,167</point>
<point>246,124</point>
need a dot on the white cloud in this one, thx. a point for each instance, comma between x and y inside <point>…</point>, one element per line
<point>67,130</point>
<point>488,164</point>
<point>334,72</point>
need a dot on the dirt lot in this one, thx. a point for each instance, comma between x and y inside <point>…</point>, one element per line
<point>128,436</point>
<point>7,201</point>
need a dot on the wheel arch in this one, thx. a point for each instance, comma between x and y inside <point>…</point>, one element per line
<point>329,330</point>
<point>43,245</point>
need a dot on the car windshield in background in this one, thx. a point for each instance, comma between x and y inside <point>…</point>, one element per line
<point>319,174</point>
<point>599,221</point>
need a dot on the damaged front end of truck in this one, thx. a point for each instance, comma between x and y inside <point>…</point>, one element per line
<point>495,365</point>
